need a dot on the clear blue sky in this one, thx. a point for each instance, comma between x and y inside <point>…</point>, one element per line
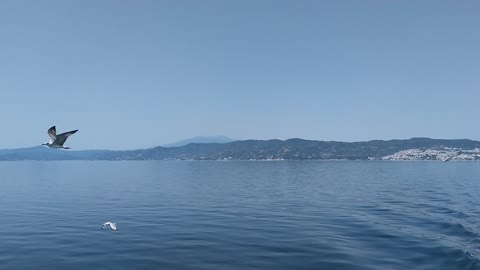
<point>135,74</point>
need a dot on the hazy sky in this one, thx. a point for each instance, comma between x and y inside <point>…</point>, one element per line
<point>135,74</point>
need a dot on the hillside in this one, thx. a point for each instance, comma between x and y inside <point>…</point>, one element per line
<point>291,149</point>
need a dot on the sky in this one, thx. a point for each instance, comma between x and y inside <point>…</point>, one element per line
<point>137,74</point>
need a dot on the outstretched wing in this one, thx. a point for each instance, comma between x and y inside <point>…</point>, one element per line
<point>111,224</point>
<point>52,133</point>
<point>61,138</point>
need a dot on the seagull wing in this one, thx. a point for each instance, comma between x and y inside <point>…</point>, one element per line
<point>111,224</point>
<point>61,138</point>
<point>52,133</point>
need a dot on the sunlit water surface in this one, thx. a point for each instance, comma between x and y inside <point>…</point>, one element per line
<point>240,215</point>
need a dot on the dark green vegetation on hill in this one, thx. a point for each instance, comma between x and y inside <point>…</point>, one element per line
<point>292,149</point>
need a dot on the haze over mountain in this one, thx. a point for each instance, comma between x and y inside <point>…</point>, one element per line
<point>201,139</point>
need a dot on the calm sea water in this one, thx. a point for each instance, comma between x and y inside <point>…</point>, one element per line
<point>240,215</point>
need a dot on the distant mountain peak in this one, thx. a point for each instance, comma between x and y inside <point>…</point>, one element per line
<point>200,139</point>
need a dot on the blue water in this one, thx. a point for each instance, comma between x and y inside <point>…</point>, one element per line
<point>240,215</point>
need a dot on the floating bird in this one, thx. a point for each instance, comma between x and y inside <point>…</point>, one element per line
<point>112,225</point>
<point>57,141</point>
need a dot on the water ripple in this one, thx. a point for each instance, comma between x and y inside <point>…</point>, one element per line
<point>240,215</point>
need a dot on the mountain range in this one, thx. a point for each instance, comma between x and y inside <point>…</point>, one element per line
<point>291,149</point>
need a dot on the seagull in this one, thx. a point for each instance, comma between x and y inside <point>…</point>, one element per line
<point>57,141</point>
<point>112,225</point>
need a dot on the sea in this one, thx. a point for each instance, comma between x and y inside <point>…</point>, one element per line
<point>240,215</point>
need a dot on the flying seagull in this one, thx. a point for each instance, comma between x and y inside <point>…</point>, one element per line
<point>57,141</point>
<point>112,225</point>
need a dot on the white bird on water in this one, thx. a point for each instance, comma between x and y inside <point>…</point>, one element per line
<point>112,225</point>
<point>57,141</point>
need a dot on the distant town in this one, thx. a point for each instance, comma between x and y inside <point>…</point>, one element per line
<point>443,154</point>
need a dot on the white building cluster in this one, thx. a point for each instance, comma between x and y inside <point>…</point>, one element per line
<point>444,154</point>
